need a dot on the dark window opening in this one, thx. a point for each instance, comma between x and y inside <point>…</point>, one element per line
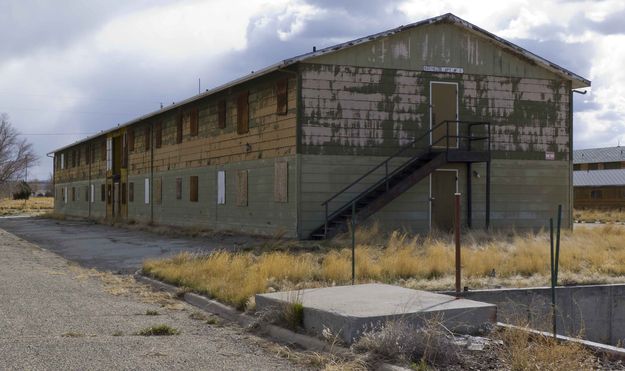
<point>221,114</point>
<point>179,128</point>
<point>596,194</point>
<point>193,191</point>
<point>103,150</point>
<point>146,138</point>
<point>109,191</point>
<point>594,166</point>
<point>73,193</point>
<point>86,188</point>
<point>178,188</point>
<point>131,139</point>
<point>158,135</point>
<point>102,193</point>
<point>131,192</point>
<point>577,167</point>
<point>612,165</point>
<point>124,194</point>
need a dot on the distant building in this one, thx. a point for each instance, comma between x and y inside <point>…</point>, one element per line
<point>387,127</point>
<point>599,178</point>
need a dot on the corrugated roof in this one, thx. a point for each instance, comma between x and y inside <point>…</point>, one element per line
<point>577,81</point>
<point>585,178</point>
<point>592,155</point>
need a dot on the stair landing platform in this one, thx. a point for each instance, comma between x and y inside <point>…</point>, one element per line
<point>351,310</point>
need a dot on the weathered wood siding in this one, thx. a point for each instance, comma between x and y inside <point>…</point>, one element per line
<point>606,197</point>
<point>374,111</point>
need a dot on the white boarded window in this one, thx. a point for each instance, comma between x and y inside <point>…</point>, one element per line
<point>109,153</point>
<point>92,193</point>
<point>65,194</point>
<point>221,187</point>
<point>146,191</point>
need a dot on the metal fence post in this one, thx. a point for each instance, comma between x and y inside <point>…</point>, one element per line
<point>457,240</point>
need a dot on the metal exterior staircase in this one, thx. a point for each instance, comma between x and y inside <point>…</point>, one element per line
<point>456,145</point>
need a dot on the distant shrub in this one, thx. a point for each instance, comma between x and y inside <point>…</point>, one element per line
<point>22,191</point>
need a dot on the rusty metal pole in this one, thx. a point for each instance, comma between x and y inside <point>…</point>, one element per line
<point>457,239</point>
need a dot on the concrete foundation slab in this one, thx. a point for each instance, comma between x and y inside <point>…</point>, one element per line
<point>350,310</point>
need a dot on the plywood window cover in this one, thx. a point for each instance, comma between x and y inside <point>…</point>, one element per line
<point>281,180</point>
<point>193,188</point>
<point>242,191</point>
<point>194,122</point>
<point>243,113</point>
<point>282,96</point>
<point>158,191</point>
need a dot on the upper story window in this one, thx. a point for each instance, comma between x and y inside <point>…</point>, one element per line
<point>243,113</point>
<point>282,96</point>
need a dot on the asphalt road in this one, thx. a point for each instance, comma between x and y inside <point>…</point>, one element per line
<point>55,315</point>
<point>106,247</point>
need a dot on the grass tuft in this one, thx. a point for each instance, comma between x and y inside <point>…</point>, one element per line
<point>150,312</point>
<point>159,330</point>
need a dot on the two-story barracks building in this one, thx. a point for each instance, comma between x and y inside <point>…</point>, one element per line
<point>262,153</point>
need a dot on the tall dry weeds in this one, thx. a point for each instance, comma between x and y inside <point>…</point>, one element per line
<point>588,255</point>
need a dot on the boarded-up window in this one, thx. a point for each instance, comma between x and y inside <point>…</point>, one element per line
<point>125,150</point>
<point>131,192</point>
<point>179,128</point>
<point>193,126</point>
<point>131,139</point>
<point>178,188</point>
<point>193,188</point>
<point>146,138</point>
<point>243,113</point>
<point>146,191</point>
<point>158,191</point>
<point>221,187</point>
<point>158,135</point>
<point>103,151</point>
<point>109,153</point>
<point>241,198</point>
<point>281,181</point>
<point>596,194</point>
<point>281,97</point>
<point>124,194</point>
<point>102,193</point>
<point>221,114</point>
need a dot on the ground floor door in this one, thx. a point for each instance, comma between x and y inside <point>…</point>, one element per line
<point>443,106</point>
<point>444,184</point>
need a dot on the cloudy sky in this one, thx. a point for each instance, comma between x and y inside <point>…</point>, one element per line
<point>70,68</point>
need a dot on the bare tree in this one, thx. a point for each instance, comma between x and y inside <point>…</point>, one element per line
<point>16,154</point>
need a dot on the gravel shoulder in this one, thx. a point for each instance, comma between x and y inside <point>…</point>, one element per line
<point>57,315</point>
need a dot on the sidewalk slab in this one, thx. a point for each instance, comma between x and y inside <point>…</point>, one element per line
<point>350,310</point>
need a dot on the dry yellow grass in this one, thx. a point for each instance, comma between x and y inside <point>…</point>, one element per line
<point>603,216</point>
<point>588,255</point>
<point>34,205</point>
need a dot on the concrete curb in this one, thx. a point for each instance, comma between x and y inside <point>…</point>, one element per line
<point>275,332</point>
